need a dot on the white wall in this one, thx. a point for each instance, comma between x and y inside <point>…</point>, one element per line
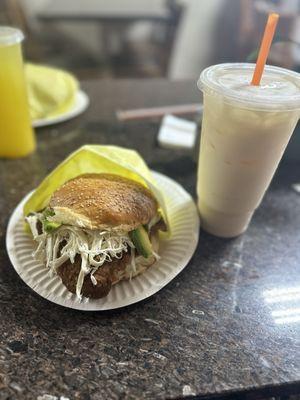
<point>193,45</point>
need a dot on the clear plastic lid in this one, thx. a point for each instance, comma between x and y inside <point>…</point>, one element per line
<point>10,36</point>
<point>279,88</point>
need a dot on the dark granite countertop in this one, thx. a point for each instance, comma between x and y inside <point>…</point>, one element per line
<point>228,324</point>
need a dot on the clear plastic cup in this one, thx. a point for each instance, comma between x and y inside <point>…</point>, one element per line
<point>16,135</point>
<point>245,130</point>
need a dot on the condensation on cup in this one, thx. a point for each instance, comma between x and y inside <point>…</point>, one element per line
<point>245,130</point>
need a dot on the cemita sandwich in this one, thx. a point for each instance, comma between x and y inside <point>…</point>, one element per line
<point>97,228</point>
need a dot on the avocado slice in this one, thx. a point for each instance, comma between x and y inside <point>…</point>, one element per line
<point>48,212</point>
<point>50,226</point>
<point>141,241</point>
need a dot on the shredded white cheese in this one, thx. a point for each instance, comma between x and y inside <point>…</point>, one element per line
<point>94,246</point>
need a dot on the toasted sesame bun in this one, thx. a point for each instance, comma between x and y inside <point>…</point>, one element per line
<point>103,201</point>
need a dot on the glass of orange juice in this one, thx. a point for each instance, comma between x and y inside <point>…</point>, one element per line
<point>16,135</point>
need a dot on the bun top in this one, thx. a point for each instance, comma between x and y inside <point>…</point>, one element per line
<point>103,201</point>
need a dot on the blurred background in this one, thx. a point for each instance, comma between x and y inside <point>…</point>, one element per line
<point>158,38</point>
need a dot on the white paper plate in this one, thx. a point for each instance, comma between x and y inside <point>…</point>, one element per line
<point>175,254</point>
<point>81,103</point>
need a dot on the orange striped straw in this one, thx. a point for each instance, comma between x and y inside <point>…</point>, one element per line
<point>264,48</point>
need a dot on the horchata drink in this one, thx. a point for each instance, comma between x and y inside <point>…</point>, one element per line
<point>16,134</point>
<point>245,130</point>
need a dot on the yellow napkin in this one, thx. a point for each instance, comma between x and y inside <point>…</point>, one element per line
<point>95,159</point>
<point>51,91</point>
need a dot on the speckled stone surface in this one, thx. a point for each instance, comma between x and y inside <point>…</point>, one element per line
<point>229,323</point>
